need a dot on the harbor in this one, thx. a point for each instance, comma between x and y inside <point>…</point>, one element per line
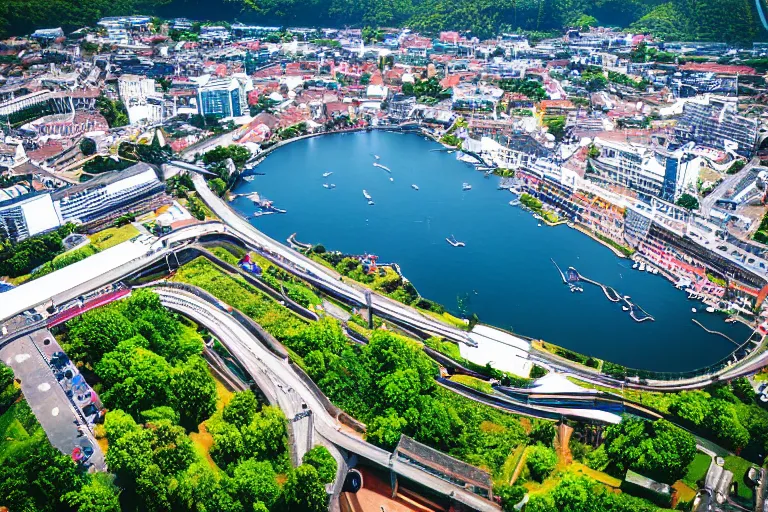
<point>504,273</point>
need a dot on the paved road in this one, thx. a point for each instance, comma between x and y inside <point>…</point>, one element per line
<point>282,385</point>
<point>46,398</point>
<point>728,183</point>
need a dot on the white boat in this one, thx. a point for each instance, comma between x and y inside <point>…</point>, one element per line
<point>641,268</point>
<point>377,164</point>
<point>391,179</point>
<point>376,157</point>
<point>655,271</point>
<point>648,269</point>
<point>627,297</point>
<point>452,240</point>
<point>466,186</point>
<point>710,309</point>
<point>635,265</point>
<point>366,195</point>
<point>693,310</point>
<point>624,308</point>
<point>326,174</point>
<point>514,202</point>
<point>370,202</point>
<point>329,185</point>
<point>415,187</point>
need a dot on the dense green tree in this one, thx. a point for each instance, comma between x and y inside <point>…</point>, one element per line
<point>304,492</point>
<point>541,461</point>
<point>385,430</point>
<point>543,503</point>
<point>148,385</point>
<point>238,154</point>
<point>659,450</point>
<point>255,482</point>
<point>37,477</point>
<point>130,455</point>
<point>218,185</point>
<point>265,437</point>
<point>439,425</point>
<point>741,388</point>
<point>8,390</point>
<point>688,202</point>
<point>118,423</point>
<point>724,422</point>
<point>542,432</point>
<point>241,409</point>
<point>194,392</point>
<point>87,146</point>
<point>98,495</point>
<point>158,414</point>
<point>510,495</point>
<point>321,459</point>
<point>325,335</point>
<point>97,332</point>
<point>227,444</point>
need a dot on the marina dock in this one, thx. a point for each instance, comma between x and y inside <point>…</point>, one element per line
<point>637,313</point>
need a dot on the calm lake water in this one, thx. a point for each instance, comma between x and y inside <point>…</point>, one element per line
<point>504,274</point>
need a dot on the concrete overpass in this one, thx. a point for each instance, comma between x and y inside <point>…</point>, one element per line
<point>283,386</point>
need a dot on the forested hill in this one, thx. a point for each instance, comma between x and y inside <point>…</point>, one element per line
<point>710,20</point>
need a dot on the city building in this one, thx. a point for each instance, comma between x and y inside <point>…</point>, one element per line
<point>717,125</point>
<point>12,155</point>
<point>141,99</point>
<point>110,195</point>
<point>27,215</point>
<point>47,34</point>
<point>650,172</point>
<point>224,97</point>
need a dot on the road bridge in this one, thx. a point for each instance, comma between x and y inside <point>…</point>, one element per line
<point>283,386</point>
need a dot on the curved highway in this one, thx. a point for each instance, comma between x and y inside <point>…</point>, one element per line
<point>281,385</point>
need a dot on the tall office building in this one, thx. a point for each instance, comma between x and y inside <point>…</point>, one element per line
<point>224,97</point>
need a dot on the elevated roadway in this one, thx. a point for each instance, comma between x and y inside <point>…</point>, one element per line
<point>283,386</point>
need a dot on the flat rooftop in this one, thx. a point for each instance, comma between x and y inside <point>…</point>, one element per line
<point>41,290</point>
<point>503,350</point>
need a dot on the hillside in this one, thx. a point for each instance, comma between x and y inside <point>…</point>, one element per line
<point>708,20</point>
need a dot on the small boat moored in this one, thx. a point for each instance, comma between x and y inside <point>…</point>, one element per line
<point>415,187</point>
<point>326,174</point>
<point>466,186</point>
<point>452,240</point>
<point>329,185</point>
<point>249,178</point>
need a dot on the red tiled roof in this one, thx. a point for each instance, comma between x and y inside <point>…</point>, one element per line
<point>712,67</point>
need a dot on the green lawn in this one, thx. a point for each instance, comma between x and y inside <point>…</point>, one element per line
<point>18,429</point>
<point>110,237</point>
<point>739,467</point>
<point>474,383</point>
<point>654,400</point>
<point>697,469</point>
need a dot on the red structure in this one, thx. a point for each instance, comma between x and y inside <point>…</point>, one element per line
<point>101,300</point>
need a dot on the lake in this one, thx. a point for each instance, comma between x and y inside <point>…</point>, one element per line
<point>504,274</point>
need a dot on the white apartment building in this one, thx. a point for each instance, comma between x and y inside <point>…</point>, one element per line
<point>143,102</point>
